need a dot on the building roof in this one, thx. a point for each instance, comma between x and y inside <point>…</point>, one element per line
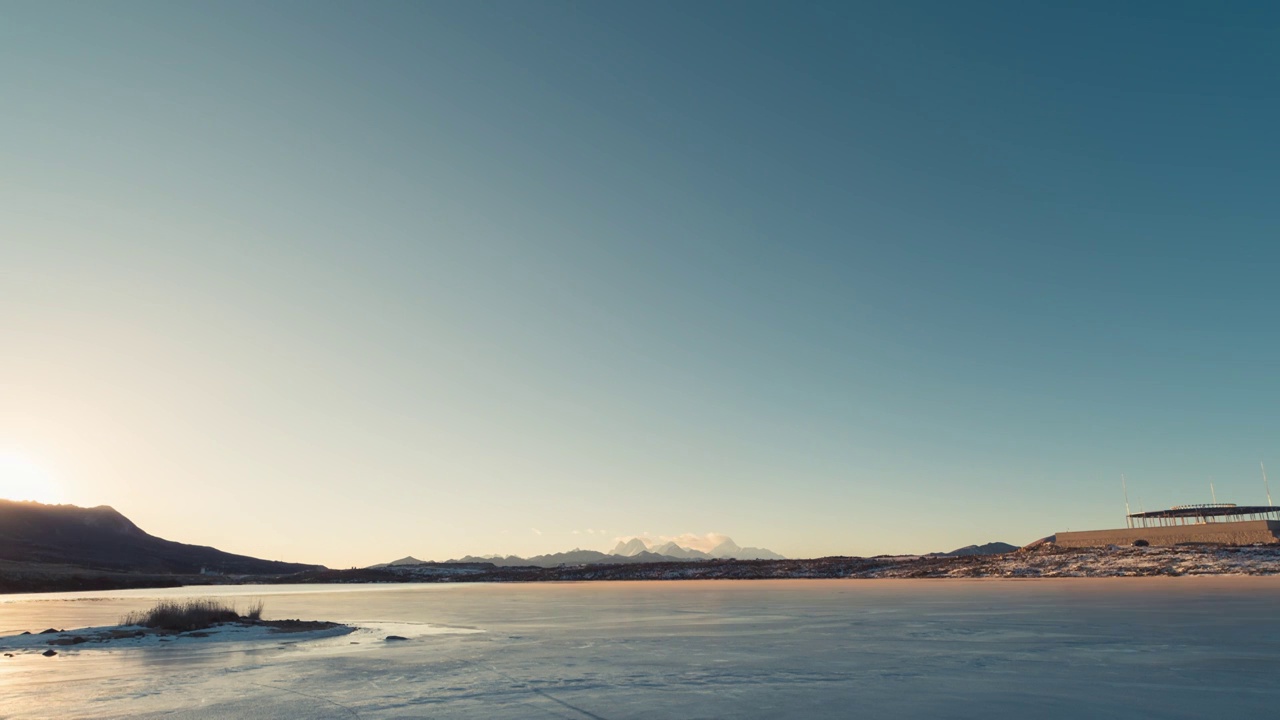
<point>1208,510</point>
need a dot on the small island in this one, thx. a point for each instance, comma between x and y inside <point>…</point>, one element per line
<point>175,621</point>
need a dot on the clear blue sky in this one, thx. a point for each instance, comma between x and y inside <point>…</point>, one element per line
<point>339,282</point>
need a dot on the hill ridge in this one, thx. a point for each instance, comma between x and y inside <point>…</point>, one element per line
<point>102,538</point>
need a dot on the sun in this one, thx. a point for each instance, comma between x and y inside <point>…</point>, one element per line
<point>20,479</point>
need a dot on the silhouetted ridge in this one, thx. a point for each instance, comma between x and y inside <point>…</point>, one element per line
<point>991,548</point>
<point>102,538</point>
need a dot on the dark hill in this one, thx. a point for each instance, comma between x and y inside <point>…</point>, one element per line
<point>103,539</point>
<point>991,548</point>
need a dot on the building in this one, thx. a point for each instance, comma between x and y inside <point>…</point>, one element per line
<point>1218,523</point>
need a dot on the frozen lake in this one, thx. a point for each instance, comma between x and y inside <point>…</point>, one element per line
<point>1062,648</point>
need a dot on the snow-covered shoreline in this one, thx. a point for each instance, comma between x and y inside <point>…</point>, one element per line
<point>136,636</point>
<point>1049,561</point>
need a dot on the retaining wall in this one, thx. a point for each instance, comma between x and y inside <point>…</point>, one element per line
<point>1248,532</point>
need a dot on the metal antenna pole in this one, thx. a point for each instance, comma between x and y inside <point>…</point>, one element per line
<point>1264,481</point>
<point>1128,521</point>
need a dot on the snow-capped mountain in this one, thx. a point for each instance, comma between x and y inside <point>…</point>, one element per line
<point>628,551</point>
<point>726,549</point>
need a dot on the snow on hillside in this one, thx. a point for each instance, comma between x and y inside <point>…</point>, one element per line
<point>1044,561</point>
<point>1051,561</point>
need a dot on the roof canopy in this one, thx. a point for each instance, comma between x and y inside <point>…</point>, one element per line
<point>1208,510</point>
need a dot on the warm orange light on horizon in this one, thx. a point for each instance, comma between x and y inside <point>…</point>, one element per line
<point>21,479</point>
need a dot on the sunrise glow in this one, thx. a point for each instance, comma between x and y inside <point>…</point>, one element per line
<point>21,479</point>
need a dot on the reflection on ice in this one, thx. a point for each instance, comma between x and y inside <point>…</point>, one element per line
<point>1045,649</point>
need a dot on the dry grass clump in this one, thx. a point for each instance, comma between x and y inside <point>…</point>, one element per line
<point>255,610</point>
<point>194,614</point>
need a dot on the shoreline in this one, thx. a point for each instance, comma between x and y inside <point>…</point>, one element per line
<point>1044,562</point>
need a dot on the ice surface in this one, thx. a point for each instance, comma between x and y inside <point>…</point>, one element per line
<point>1066,648</point>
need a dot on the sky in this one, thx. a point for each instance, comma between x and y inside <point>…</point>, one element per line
<point>340,282</point>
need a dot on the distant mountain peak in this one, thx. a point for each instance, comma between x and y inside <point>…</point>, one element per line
<point>631,547</point>
<point>725,549</point>
<point>630,550</point>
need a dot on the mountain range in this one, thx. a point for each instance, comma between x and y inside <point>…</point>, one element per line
<point>726,550</point>
<point>65,547</point>
<point>635,550</point>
